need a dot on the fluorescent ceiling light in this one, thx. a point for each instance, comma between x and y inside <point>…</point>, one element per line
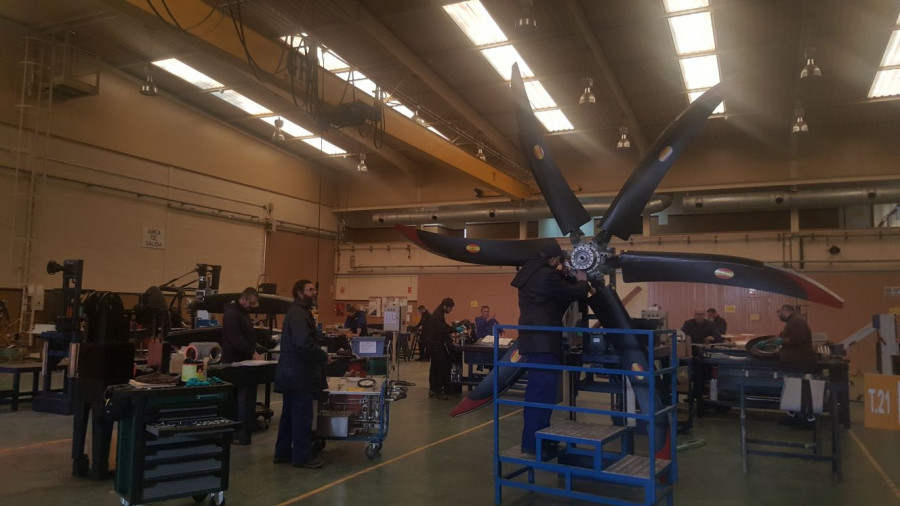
<point>241,102</point>
<point>891,56</point>
<point>438,132</point>
<point>289,127</point>
<point>502,59</point>
<point>198,79</point>
<point>324,146</point>
<point>684,5</point>
<point>700,72</point>
<point>473,19</point>
<point>886,83</point>
<point>538,96</point>
<point>554,120</point>
<point>693,33</point>
<point>694,95</point>
<point>406,111</point>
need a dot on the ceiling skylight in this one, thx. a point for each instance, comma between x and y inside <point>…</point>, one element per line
<point>693,33</point>
<point>695,44</point>
<point>886,83</point>
<point>502,59</point>
<point>887,78</point>
<point>438,132</point>
<point>554,120</point>
<point>694,95</point>
<point>179,69</point>
<point>473,19</point>
<point>241,102</point>
<point>538,96</point>
<point>289,127</point>
<point>701,72</point>
<point>358,79</point>
<point>324,146</point>
<point>684,5</point>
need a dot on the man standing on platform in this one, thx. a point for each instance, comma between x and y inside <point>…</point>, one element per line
<point>544,296</point>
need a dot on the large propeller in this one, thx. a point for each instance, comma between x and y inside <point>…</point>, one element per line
<point>599,260</point>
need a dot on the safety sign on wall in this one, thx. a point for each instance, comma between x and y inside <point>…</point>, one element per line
<point>154,237</point>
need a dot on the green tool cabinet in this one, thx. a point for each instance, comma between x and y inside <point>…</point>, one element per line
<point>173,442</point>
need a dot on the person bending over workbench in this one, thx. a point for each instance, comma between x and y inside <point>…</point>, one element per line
<point>238,338</point>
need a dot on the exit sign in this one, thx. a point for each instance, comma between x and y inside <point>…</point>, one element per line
<point>881,396</point>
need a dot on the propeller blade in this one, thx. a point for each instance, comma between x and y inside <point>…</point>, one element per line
<point>477,251</point>
<point>722,270</point>
<point>609,309</point>
<point>565,206</point>
<point>656,162</point>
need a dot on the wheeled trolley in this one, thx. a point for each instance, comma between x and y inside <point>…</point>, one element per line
<point>357,409</point>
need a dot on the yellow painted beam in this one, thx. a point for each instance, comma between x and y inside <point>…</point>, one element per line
<point>268,53</point>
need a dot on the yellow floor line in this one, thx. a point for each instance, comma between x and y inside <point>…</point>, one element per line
<point>887,479</point>
<point>35,445</point>
<point>391,461</point>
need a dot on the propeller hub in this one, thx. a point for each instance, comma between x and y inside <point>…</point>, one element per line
<point>586,257</point>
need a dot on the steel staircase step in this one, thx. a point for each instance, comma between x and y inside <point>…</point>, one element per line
<point>572,431</point>
<point>636,466</point>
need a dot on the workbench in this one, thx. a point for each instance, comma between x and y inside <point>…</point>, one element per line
<point>17,369</point>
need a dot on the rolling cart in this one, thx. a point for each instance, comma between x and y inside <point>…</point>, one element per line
<point>357,409</point>
<point>173,442</point>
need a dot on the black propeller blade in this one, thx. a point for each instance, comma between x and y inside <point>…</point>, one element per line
<point>565,206</point>
<point>656,162</point>
<point>478,251</point>
<point>721,270</point>
<point>632,355</point>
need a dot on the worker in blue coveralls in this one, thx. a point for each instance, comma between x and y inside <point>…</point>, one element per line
<point>544,296</point>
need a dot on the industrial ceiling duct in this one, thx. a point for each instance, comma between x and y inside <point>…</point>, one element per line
<point>788,200</point>
<point>499,213</point>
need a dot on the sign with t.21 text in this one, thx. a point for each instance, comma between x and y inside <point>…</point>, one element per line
<point>154,237</point>
<point>881,396</point>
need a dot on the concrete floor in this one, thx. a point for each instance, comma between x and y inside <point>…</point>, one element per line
<point>430,458</point>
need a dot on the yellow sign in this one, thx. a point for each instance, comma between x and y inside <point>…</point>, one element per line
<point>754,317</point>
<point>730,309</point>
<point>473,303</point>
<point>881,395</point>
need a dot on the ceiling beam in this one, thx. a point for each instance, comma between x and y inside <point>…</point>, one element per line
<point>404,55</point>
<point>267,54</point>
<point>579,16</point>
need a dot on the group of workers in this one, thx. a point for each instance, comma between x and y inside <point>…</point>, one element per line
<point>545,292</point>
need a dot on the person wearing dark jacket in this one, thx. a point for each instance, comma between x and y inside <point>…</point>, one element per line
<point>299,377</point>
<point>356,321</point>
<point>423,344</point>
<point>717,321</point>
<point>238,338</point>
<point>797,353</point>
<point>438,334</point>
<point>544,296</point>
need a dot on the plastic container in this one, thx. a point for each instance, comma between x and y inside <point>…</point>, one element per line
<point>367,346</point>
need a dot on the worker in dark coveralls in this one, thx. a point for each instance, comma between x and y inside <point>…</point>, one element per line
<point>299,377</point>
<point>796,356</point>
<point>797,353</point>
<point>238,338</point>
<point>719,322</point>
<point>438,335</point>
<point>544,296</point>
<point>700,330</point>
<point>356,321</point>
<point>420,327</point>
